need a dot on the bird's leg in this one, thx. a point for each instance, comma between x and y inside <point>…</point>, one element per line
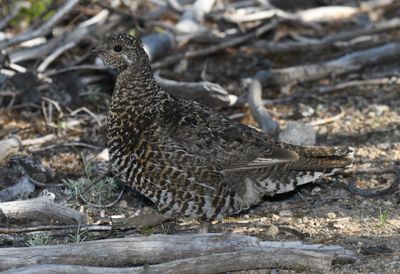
<point>204,227</point>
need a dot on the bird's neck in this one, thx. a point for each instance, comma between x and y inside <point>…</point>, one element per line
<point>136,99</point>
<point>135,83</point>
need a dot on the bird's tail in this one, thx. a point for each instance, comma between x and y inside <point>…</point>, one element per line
<point>320,158</point>
<point>314,163</point>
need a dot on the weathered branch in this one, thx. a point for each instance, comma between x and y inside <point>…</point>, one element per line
<point>328,14</point>
<point>158,249</point>
<point>71,37</point>
<point>357,83</point>
<point>230,42</point>
<point>207,93</point>
<point>281,47</point>
<point>260,114</point>
<point>341,65</point>
<point>44,29</point>
<point>209,264</point>
<point>41,208</point>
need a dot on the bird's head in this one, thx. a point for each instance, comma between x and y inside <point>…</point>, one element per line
<point>120,51</point>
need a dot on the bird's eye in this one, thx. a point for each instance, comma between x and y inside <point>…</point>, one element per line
<point>117,48</point>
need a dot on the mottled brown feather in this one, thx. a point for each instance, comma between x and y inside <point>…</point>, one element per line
<point>189,160</point>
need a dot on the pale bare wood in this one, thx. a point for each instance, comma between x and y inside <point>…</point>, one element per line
<point>207,93</point>
<point>194,15</point>
<point>328,14</point>
<point>44,29</point>
<point>66,37</point>
<point>345,64</point>
<point>42,209</point>
<point>9,147</point>
<point>260,114</point>
<point>209,264</point>
<point>152,250</point>
<point>327,41</point>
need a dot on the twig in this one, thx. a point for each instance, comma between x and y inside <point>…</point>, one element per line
<point>66,36</point>
<point>49,59</point>
<point>327,120</point>
<point>75,68</point>
<point>44,29</point>
<point>97,205</point>
<point>239,17</point>
<point>392,188</point>
<point>328,14</point>
<point>358,83</point>
<point>215,48</point>
<point>84,109</point>
<point>82,227</point>
<point>39,141</point>
<point>281,47</point>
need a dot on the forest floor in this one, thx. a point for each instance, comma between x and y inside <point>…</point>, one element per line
<point>366,117</point>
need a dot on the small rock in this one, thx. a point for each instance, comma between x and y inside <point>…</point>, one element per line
<point>123,204</point>
<point>275,218</point>
<point>315,190</point>
<point>387,203</point>
<point>331,215</point>
<point>306,110</point>
<point>298,134</point>
<point>272,231</point>
<point>380,109</point>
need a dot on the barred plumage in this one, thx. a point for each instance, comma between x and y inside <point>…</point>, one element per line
<point>189,160</point>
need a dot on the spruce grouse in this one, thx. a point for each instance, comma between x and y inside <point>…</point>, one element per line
<point>189,160</point>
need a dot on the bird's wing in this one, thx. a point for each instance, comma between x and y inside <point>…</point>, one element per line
<point>217,141</point>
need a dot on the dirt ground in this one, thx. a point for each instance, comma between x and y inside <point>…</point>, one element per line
<point>328,212</point>
<point>325,212</point>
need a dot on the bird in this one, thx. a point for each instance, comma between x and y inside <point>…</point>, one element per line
<point>189,160</point>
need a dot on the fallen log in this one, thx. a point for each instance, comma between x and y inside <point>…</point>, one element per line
<point>41,209</point>
<point>209,264</point>
<point>160,248</point>
<point>345,64</point>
